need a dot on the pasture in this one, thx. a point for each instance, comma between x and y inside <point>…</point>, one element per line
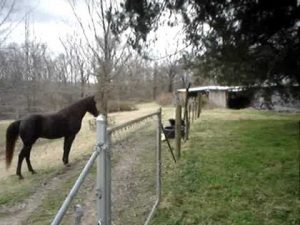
<point>239,167</point>
<point>20,200</point>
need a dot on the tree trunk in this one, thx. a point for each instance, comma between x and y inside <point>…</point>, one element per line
<point>170,86</point>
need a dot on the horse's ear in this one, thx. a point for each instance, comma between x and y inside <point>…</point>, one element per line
<point>95,102</point>
<point>94,99</point>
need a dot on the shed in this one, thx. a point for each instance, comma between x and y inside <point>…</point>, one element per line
<point>217,95</point>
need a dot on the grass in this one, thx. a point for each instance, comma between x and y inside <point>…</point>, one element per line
<point>45,213</point>
<point>239,167</point>
<point>141,189</point>
<point>3,125</point>
<point>10,193</point>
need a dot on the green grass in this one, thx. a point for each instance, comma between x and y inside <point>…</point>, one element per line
<point>14,190</point>
<point>132,211</point>
<point>239,167</point>
<point>54,199</point>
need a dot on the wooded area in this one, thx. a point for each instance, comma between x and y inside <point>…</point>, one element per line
<point>33,79</point>
<point>234,42</point>
<point>249,43</point>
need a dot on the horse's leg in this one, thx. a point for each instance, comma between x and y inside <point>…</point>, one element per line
<point>27,157</point>
<point>22,155</point>
<point>67,146</point>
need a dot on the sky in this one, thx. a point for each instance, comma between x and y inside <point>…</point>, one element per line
<point>49,20</point>
<point>54,19</point>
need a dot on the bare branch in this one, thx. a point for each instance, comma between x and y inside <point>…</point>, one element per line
<point>9,12</point>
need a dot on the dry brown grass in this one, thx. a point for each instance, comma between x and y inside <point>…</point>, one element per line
<point>165,99</point>
<point>47,154</point>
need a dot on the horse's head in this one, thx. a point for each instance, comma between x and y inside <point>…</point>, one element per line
<point>91,108</point>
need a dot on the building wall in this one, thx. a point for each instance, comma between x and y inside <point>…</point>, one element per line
<point>218,98</point>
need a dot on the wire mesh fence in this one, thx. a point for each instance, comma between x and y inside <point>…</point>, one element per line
<point>128,177</point>
<point>133,172</point>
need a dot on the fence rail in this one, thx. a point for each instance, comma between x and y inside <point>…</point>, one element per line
<point>102,155</point>
<point>63,209</point>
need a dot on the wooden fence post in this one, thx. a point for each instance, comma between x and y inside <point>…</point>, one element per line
<point>194,109</point>
<point>199,104</point>
<point>186,113</point>
<point>178,131</point>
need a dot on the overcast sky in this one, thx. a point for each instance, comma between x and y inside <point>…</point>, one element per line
<point>52,19</point>
<point>49,20</point>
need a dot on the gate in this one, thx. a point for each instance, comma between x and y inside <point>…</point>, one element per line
<point>128,174</point>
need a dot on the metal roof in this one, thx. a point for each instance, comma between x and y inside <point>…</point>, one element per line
<point>212,88</point>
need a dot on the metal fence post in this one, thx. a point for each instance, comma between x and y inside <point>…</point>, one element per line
<point>158,167</point>
<point>103,174</point>
<point>158,187</point>
<point>108,179</point>
<point>78,214</point>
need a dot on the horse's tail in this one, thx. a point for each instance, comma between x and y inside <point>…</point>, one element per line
<point>12,134</point>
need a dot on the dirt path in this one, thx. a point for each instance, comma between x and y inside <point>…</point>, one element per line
<point>19,213</point>
<point>127,183</point>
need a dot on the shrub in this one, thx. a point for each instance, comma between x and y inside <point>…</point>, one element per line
<point>117,106</point>
<point>165,99</point>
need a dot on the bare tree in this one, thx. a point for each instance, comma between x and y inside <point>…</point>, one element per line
<point>173,69</point>
<point>78,60</point>
<point>6,10</point>
<point>108,53</point>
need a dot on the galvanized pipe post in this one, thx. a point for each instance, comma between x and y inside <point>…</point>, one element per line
<point>158,167</point>
<point>64,207</point>
<point>158,155</point>
<point>78,214</point>
<point>103,174</point>
<point>108,178</point>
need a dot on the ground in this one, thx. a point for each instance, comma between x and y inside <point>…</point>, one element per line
<point>241,165</point>
<point>21,202</point>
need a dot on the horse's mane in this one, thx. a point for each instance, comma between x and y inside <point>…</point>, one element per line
<point>78,104</point>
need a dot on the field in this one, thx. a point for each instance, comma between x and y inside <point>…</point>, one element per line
<point>239,167</point>
<point>36,199</point>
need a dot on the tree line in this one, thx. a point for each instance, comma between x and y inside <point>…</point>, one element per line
<point>236,42</point>
<point>93,60</point>
<point>33,80</point>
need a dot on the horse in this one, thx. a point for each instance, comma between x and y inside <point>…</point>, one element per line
<point>65,123</point>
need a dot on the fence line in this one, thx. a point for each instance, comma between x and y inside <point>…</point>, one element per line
<point>63,209</point>
<point>102,155</point>
<point>126,125</point>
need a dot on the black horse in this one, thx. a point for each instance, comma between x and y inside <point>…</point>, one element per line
<point>65,123</point>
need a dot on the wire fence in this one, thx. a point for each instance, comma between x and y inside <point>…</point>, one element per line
<point>133,173</point>
<point>128,176</point>
<point>136,183</point>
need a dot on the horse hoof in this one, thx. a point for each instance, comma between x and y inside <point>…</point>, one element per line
<point>33,172</point>
<point>21,177</point>
<point>67,165</point>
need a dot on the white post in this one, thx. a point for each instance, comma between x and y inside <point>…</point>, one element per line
<point>103,174</point>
